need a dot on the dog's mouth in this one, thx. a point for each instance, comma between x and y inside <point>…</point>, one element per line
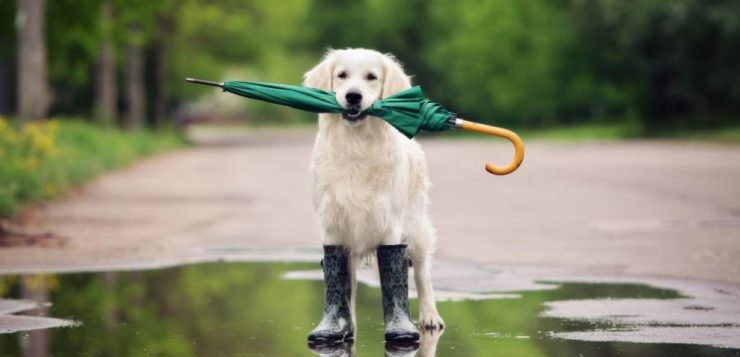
<point>353,115</point>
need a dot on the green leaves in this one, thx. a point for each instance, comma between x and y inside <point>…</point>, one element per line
<point>666,64</point>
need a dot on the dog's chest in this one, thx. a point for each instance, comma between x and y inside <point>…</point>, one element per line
<point>358,188</point>
<point>368,174</point>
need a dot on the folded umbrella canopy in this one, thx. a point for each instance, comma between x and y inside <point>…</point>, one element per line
<point>408,111</point>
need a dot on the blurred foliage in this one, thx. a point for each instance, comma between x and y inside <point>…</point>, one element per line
<point>651,64</point>
<point>41,159</point>
<point>72,47</point>
<point>675,60</point>
<point>238,309</point>
<point>506,61</point>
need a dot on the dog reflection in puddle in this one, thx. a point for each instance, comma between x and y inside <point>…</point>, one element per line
<point>427,347</point>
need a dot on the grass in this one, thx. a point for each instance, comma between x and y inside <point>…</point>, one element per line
<point>564,133</point>
<point>727,134</point>
<point>42,159</point>
<point>583,132</point>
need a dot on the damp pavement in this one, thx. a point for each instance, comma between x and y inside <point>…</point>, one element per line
<point>626,248</point>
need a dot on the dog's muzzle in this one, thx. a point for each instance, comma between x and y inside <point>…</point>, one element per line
<point>353,114</point>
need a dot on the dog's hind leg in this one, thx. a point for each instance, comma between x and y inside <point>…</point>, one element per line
<point>354,265</point>
<point>421,242</point>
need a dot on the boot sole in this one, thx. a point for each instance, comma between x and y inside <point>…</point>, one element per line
<point>402,338</point>
<point>331,340</point>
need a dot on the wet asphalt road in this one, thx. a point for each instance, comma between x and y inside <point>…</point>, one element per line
<point>657,208</point>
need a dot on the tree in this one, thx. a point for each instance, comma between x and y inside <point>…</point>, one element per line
<point>164,23</point>
<point>676,59</point>
<point>139,17</point>
<point>106,90</point>
<point>136,102</point>
<point>8,11</point>
<point>500,60</point>
<point>32,89</point>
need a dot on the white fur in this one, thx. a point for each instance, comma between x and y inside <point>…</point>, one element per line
<point>369,181</point>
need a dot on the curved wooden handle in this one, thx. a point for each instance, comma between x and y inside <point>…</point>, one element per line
<point>504,133</point>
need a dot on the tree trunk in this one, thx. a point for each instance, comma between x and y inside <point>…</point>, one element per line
<point>32,90</point>
<point>5,86</point>
<point>160,70</point>
<point>135,80</point>
<point>106,94</point>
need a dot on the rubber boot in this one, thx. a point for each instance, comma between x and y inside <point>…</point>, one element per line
<point>393,266</point>
<point>336,325</point>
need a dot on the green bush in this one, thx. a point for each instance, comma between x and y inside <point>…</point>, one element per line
<point>42,159</point>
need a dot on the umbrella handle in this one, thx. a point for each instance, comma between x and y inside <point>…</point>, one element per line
<point>504,133</point>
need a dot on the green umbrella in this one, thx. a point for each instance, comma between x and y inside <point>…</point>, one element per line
<point>408,111</point>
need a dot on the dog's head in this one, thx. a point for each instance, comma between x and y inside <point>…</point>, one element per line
<point>358,77</point>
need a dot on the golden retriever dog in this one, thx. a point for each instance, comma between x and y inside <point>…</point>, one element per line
<point>369,180</point>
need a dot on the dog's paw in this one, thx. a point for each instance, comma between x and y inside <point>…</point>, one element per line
<point>429,319</point>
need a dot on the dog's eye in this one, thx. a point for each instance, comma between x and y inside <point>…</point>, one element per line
<point>371,77</point>
<point>342,74</point>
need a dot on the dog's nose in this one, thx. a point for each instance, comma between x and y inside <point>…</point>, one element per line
<point>353,97</point>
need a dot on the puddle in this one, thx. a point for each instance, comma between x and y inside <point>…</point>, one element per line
<point>255,309</point>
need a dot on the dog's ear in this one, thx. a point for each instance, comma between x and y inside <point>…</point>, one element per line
<point>321,75</point>
<point>395,79</point>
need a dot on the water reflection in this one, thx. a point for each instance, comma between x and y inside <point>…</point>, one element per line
<point>35,288</point>
<point>426,347</point>
<point>229,309</point>
<point>341,349</point>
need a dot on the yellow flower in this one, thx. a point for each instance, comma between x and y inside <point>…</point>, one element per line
<point>42,143</point>
<point>7,133</point>
<point>40,138</point>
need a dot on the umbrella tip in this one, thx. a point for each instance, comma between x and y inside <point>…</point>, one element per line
<point>201,81</point>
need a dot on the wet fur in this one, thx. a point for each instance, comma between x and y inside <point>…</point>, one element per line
<point>369,181</point>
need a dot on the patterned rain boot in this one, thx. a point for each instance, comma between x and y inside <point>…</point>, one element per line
<point>394,282</point>
<point>336,325</point>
